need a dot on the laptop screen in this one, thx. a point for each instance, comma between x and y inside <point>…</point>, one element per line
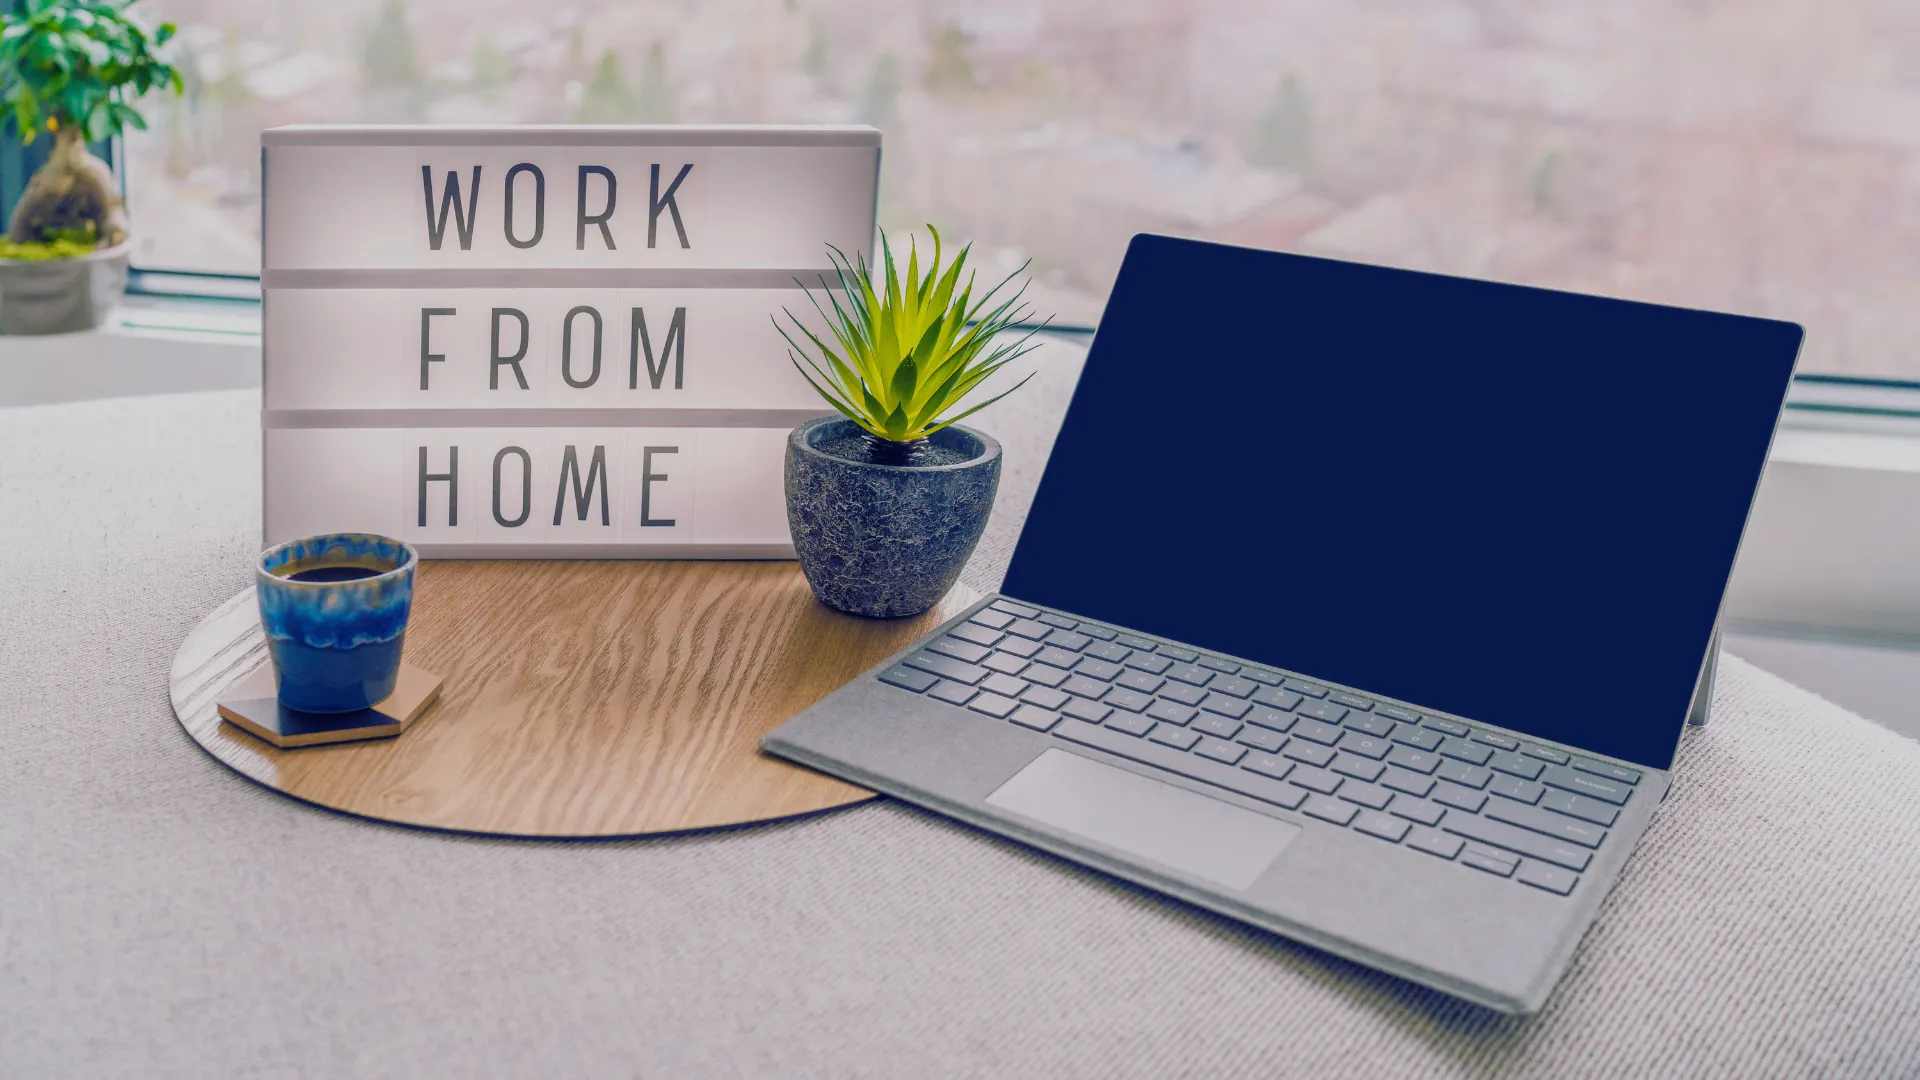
<point>1515,505</point>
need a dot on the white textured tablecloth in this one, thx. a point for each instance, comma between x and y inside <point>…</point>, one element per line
<point>161,917</point>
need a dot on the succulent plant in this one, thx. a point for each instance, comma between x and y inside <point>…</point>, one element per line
<point>910,348</point>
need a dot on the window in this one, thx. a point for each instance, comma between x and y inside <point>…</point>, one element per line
<point>1752,155</point>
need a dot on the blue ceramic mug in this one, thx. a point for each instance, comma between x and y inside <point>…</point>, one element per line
<point>335,611</point>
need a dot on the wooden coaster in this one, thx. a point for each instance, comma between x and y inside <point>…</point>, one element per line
<point>254,706</point>
<point>580,698</point>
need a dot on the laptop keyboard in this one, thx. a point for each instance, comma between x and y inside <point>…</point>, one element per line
<point>1448,789</point>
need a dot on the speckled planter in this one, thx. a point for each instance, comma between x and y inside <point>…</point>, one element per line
<point>886,541</point>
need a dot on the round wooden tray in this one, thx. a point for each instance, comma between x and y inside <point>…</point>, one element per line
<point>581,699</point>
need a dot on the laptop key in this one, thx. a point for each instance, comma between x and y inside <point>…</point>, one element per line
<point>1058,657</point>
<point>1006,663</point>
<point>1378,726</point>
<point>1110,651</point>
<point>1494,738</point>
<point>1181,763</point>
<point>1130,723</point>
<point>1319,780</point>
<point>1329,809</point>
<point>1130,700</point>
<point>1544,753</point>
<point>1513,764</point>
<point>993,705</point>
<point>1324,710</point>
<point>1436,843</point>
<point>1220,727</point>
<point>1134,641</point>
<point>1579,806</point>
<point>1375,823</point>
<point>1017,610</point>
<point>1098,669</point>
<point>1035,717</point>
<point>976,633</point>
<point>1269,717</point>
<point>1611,772</point>
<point>1512,787</point>
<point>1579,783</point>
<point>1418,737</point>
<point>1551,878</point>
<point>1084,687</point>
<point>1045,675</point>
<point>1460,772</point>
<point>1492,862</point>
<point>1308,752</point>
<point>1260,676</point>
<point>1060,621</point>
<point>1357,767</point>
<point>1177,737</point>
<point>1419,810</point>
<point>1170,712</point>
<point>1029,628</point>
<point>1278,699</point>
<point>1302,686</point>
<point>1190,673</point>
<point>1224,752</point>
<point>1149,663</point>
<point>952,693</point>
<point>1547,823</point>
<point>1417,760</point>
<point>1461,750</point>
<point>1018,646</point>
<point>1368,795</point>
<point>1067,639</point>
<point>1315,731</point>
<point>1225,706</point>
<point>1236,686</point>
<point>992,620</point>
<point>1184,694</point>
<point>1517,840</point>
<point>1218,664</point>
<point>1412,783</point>
<point>1139,680</point>
<point>1351,701</point>
<point>1090,711</point>
<point>1004,685</point>
<point>1268,765</point>
<point>947,667</point>
<point>1365,745</point>
<point>1262,739</point>
<point>1459,798</point>
<point>1100,633</point>
<point>908,679</point>
<point>1185,656</point>
<point>1397,713</point>
<point>1044,697</point>
<point>1448,726</point>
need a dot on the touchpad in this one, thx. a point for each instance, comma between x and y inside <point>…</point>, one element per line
<point>1148,818</point>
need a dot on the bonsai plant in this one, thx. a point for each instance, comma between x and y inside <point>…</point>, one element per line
<point>71,68</point>
<point>888,499</point>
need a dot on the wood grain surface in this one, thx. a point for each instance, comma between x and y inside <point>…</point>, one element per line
<point>581,698</point>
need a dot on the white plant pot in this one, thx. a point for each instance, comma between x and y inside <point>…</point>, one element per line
<point>59,296</point>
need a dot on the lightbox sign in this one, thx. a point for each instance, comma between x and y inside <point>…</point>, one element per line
<point>545,341</point>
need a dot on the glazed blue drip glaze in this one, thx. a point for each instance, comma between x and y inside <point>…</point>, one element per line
<point>336,644</point>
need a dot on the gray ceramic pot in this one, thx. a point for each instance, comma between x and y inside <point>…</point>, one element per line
<point>58,296</point>
<point>886,540</point>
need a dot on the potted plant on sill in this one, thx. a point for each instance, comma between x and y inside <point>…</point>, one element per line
<point>887,500</point>
<point>72,68</point>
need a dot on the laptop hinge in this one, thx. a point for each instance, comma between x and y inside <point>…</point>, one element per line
<point>1703,687</point>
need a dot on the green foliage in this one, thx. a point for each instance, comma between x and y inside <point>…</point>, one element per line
<point>883,92</point>
<point>389,56</point>
<point>655,100</point>
<point>607,99</point>
<point>80,64</point>
<point>949,70</point>
<point>909,348</point>
<point>59,244</point>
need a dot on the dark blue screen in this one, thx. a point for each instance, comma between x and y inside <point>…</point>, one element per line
<point>1517,505</point>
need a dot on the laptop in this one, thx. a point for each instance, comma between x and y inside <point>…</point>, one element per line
<point>1362,605</point>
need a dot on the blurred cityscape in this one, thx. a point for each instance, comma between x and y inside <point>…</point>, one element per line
<point>1760,156</point>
